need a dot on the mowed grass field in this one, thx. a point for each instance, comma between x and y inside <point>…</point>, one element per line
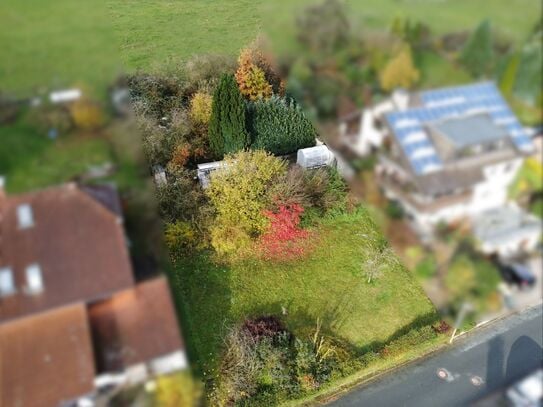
<point>56,44</point>
<point>329,284</point>
<point>59,43</point>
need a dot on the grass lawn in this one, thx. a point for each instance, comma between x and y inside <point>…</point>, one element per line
<point>30,160</point>
<point>59,162</point>
<point>57,43</point>
<point>328,284</point>
<point>153,33</point>
<point>62,43</point>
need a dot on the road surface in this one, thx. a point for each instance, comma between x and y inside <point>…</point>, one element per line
<point>476,365</point>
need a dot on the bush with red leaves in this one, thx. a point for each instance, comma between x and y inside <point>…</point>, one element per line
<point>442,328</point>
<point>284,240</point>
<point>261,327</point>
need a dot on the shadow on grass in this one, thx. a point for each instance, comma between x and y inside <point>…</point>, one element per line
<point>421,321</point>
<point>203,319</point>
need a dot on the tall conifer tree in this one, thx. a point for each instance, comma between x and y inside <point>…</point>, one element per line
<point>227,132</point>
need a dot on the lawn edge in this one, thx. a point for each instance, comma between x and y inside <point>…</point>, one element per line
<point>345,385</point>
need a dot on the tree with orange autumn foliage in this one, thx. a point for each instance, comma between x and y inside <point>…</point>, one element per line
<point>251,78</point>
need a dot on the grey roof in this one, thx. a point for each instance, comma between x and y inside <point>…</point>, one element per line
<point>470,130</point>
<point>505,223</point>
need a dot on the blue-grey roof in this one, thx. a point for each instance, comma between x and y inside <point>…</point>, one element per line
<point>471,130</point>
<point>460,102</point>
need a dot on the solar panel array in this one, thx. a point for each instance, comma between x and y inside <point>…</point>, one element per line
<point>408,125</point>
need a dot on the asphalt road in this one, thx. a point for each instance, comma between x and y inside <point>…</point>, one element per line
<point>478,364</point>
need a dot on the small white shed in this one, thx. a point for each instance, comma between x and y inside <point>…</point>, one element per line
<point>314,157</point>
<point>205,169</point>
<point>64,96</point>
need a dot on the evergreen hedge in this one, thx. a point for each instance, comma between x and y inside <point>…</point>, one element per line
<point>227,132</point>
<point>279,126</point>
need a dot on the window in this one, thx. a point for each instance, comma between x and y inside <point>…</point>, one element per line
<point>7,285</point>
<point>34,280</point>
<point>24,216</point>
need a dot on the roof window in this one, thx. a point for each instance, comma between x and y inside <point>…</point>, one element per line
<point>24,216</point>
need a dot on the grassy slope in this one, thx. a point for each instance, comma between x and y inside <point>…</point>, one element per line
<point>63,42</point>
<point>328,284</point>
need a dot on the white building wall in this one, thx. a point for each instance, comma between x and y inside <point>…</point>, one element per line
<point>490,193</point>
<point>169,363</point>
<point>369,135</point>
<point>511,247</point>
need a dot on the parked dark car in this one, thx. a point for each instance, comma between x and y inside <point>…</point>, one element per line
<point>518,274</point>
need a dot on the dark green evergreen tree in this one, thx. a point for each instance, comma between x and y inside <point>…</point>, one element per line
<point>227,133</point>
<point>478,53</point>
<point>279,126</point>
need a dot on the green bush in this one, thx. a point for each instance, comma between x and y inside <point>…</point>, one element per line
<point>279,126</point>
<point>227,132</point>
<point>266,370</point>
<point>181,198</point>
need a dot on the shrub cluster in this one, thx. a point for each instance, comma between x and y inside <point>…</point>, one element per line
<point>254,196</point>
<point>284,240</point>
<point>264,364</point>
<point>278,125</point>
<point>265,121</point>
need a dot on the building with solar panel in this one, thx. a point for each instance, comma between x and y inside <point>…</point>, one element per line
<point>444,154</point>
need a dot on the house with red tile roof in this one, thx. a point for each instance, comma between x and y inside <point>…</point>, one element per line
<point>71,314</point>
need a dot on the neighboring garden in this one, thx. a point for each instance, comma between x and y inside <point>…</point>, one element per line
<point>83,141</point>
<point>282,282</point>
<point>340,65</point>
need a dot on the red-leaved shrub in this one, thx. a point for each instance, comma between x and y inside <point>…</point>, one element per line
<point>284,240</point>
<point>263,327</point>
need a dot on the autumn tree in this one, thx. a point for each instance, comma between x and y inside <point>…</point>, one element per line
<point>400,71</point>
<point>227,132</point>
<point>478,55</point>
<point>200,108</point>
<point>251,79</point>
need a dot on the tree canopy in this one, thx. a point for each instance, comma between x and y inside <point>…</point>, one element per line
<point>400,71</point>
<point>478,54</point>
